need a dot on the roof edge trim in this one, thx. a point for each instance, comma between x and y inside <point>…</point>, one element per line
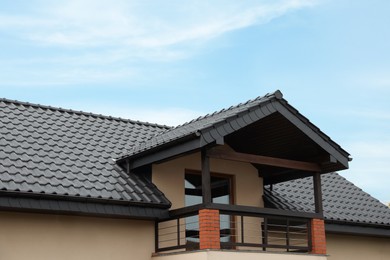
<point>347,229</point>
<point>307,128</point>
<point>74,208</point>
<point>211,133</point>
<point>65,198</point>
<point>174,149</point>
<point>357,223</point>
<point>268,97</point>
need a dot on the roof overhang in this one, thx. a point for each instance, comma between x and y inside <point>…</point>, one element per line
<point>83,207</point>
<point>357,230</point>
<point>271,128</point>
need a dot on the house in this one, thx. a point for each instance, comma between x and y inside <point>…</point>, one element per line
<point>253,181</point>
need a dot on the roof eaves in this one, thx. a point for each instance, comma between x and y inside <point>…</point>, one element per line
<point>79,199</point>
<point>357,223</point>
<point>162,153</point>
<point>313,127</point>
<point>64,207</point>
<point>312,132</point>
<point>246,114</point>
<point>361,230</point>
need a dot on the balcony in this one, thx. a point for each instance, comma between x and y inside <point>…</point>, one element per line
<point>234,229</point>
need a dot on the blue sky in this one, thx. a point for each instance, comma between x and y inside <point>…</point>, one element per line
<point>168,62</point>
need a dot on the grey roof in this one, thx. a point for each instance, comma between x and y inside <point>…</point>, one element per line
<point>221,123</point>
<point>195,125</point>
<point>57,153</point>
<point>62,160</point>
<point>342,200</point>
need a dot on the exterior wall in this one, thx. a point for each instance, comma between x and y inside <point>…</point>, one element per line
<point>169,178</point>
<point>44,236</point>
<point>235,255</point>
<point>248,187</point>
<point>341,247</point>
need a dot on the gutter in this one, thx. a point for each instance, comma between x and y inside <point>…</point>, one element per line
<point>78,199</point>
<point>79,208</point>
<point>357,230</point>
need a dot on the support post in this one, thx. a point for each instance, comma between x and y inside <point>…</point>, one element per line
<point>206,179</point>
<point>317,193</point>
<point>209,229</point>
<point>318,239</point>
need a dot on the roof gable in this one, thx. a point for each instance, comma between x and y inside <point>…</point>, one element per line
<point>213,128</point>
<point>194,127</point>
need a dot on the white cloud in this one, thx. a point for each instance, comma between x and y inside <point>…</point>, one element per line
<point>92,38</point>
<point>140,24</point>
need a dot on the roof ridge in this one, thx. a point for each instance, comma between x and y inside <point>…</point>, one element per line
<point>277,94</point>
<point>79,112</point>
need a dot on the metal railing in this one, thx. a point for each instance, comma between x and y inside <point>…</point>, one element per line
<point>241,228</point>
<point>179,231</point>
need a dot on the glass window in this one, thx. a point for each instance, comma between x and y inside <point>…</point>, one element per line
<point>220,193</point>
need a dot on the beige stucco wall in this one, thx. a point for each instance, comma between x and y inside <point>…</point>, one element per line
<point>169,178</point>
<point>341,247</point>
<point>43,236</point>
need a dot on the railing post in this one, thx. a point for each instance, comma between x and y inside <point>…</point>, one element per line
<point>318,240</point>
<point>288,235</point>
<point>209,229</point>
<point>309,239</point>
<point>178,231</point>
<point>156,237</point>
<point>265,235</point>
<point>242,229</point>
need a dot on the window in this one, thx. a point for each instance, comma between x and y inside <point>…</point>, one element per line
<point>221,192</point>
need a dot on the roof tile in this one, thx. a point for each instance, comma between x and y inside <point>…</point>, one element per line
<point>193,126</point>
<point>342,200</point>
<point>53,151</point>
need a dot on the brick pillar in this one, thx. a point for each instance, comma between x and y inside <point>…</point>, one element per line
<point>209,229</point>
<point>318,237</point>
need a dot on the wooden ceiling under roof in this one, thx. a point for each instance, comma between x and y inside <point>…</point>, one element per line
<point>278,140</point>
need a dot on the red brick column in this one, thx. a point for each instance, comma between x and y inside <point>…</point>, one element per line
<point>318,236</point>
<point>209,229</point>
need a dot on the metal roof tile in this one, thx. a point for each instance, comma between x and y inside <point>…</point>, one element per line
<point>198,124</point>
<point>56,151</point>
<point>342,200</point>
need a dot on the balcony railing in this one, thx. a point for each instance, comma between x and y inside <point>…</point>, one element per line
<point>240,228</point>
